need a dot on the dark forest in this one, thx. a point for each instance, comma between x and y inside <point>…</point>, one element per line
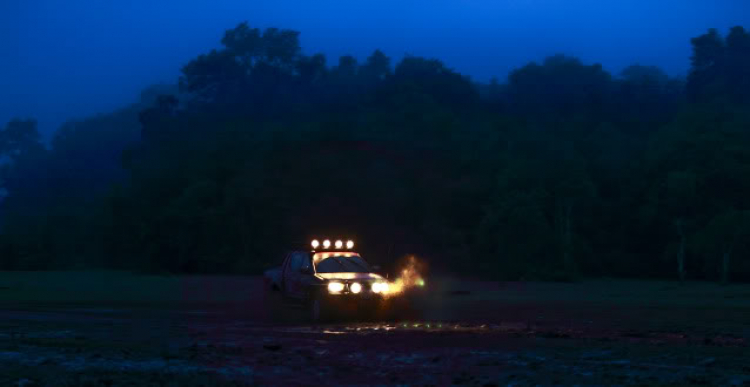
<point>563,171</point>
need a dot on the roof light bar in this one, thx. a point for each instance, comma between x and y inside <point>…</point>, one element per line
<point>326,244</point>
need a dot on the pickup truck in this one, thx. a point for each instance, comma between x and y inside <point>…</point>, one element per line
<point>327,280</point>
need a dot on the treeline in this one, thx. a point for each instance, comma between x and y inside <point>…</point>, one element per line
<point>563,171</point>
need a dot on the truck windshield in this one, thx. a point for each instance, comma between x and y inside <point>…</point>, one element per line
<point>341,264</point>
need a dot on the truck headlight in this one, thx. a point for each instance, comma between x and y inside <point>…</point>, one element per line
<point>380,287</point>
<point>335,287</point>
<point>355,287</point>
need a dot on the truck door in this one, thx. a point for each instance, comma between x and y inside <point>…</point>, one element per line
<point>293,277</point>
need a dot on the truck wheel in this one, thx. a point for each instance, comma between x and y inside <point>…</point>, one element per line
<point>272,305</point>
<point>316,309</point>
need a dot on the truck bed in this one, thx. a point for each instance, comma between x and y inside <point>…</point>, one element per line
<point>272,277</point>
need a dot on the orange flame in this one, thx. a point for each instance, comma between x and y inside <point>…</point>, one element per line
<point>408,277</point>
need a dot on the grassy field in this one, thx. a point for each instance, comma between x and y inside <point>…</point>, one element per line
<point>99,288</point>
<point>119,285</point>
<point>116,328</point>
<point>102,287</point>
<point>648,304</point>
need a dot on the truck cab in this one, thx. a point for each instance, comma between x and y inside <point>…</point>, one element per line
<point>328,278</point>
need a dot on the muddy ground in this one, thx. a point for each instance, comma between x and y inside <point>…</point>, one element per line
<point>113,329</point>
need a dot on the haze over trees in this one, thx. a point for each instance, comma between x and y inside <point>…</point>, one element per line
<point>563,171</point>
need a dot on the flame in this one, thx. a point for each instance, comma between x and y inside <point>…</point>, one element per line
<point>408,277</point>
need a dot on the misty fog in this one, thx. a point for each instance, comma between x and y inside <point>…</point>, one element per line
<point>71,59</point>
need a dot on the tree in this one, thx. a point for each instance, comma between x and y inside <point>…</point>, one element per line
<point>376,68</point>
<point>705,79</point>
<point>312,69</point>
<point>681,196</point>
<point>21,172</point>
<point>648,95</point>
<point>347,67</point>
<point>249,59</point>
<point>20,147</point>
<point>19,139</point>
<point>697,165</point>
<point>560,171</point>
<point>738,63</point>
<point>430,77</point>
<point>720,68</point>
<point>548,181</point>
<point>725,236</point>
<point>515,237</point>
<point>561,86</point>
<point>573,192</point>
<point>155,120</point>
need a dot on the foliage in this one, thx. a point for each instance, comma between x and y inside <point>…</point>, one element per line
<point>563,171</point>
<point>719,66</point>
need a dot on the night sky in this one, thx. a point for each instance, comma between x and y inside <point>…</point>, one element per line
<point>74,58</point>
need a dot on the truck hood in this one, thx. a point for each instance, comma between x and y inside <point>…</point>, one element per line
<point>349,276</point>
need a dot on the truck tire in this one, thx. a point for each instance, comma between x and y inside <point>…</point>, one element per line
<point>316,309</point>
<point>272,305</point>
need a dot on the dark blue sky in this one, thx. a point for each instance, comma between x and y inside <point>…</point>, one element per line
<point>63,59</point>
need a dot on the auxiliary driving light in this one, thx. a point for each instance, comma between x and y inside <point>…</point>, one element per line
<point>339,244</point>
<point>349,244</point>
<point>335,287</point>
<point>315,243</point>
<point>380,287</point>
<point>355,288</point>
<point>326,244</point>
